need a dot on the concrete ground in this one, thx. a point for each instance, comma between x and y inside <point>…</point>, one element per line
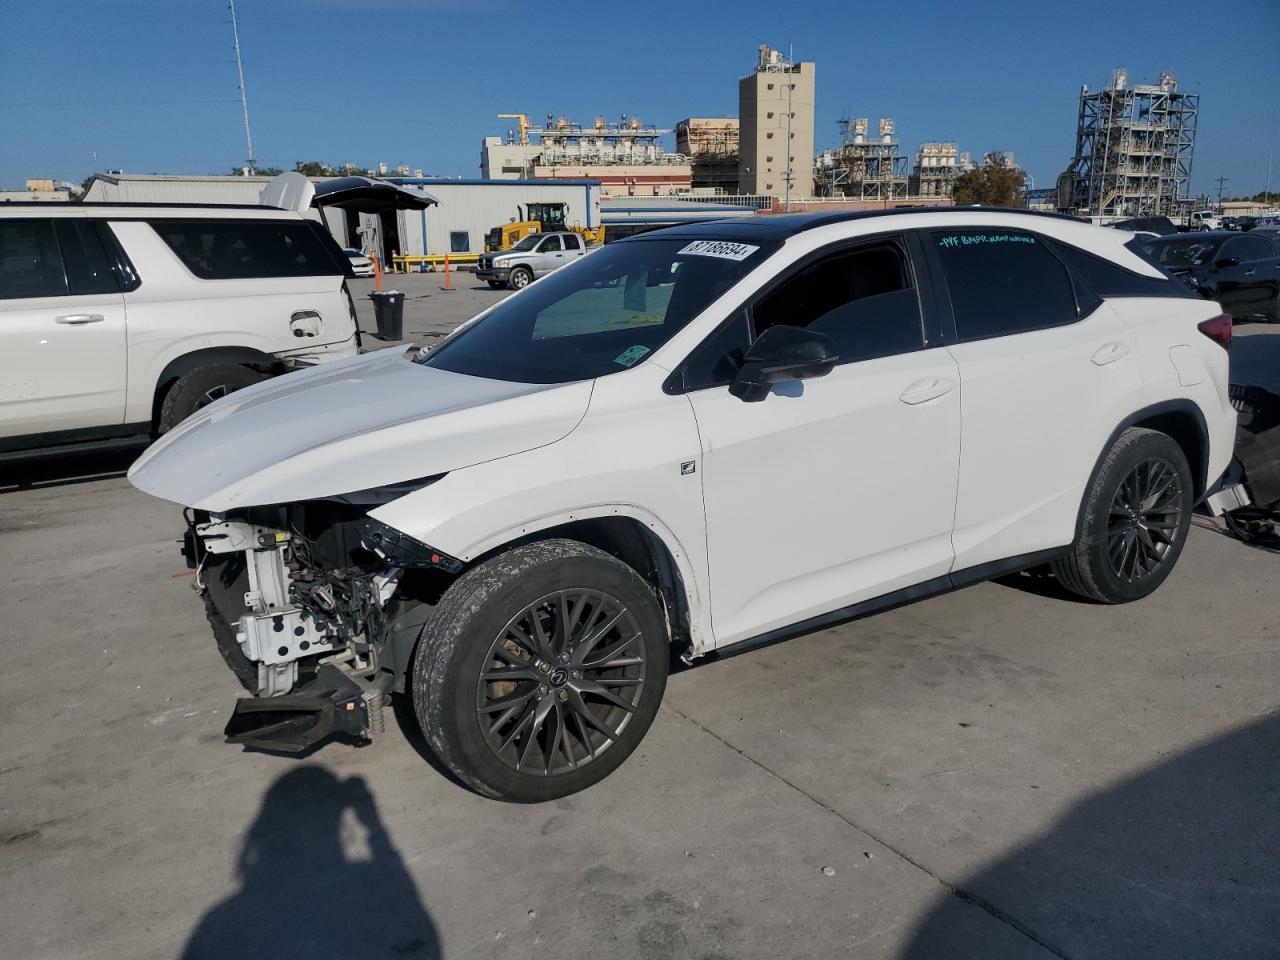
<point>1002,772</point>
<point>430,311</point>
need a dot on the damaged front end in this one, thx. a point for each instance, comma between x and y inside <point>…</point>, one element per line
<point>315,607</point>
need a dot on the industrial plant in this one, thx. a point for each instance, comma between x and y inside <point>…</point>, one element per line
<point>1134,147</point>
<point>1133,155</point>
<point>627,157</point>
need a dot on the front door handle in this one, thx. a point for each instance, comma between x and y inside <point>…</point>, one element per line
<point>930,388</point>
<point>1109,353</point>
<point>79,319</point>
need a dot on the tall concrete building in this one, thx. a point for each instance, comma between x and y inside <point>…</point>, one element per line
<point>771,143</point>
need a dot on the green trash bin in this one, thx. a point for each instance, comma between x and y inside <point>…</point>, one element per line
<point>388,310</point>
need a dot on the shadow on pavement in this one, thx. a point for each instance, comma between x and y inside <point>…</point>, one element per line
<point>304,893</point>
<point>1182,860</point>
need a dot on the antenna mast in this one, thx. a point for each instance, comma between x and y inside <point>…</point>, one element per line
<point>244,101</point>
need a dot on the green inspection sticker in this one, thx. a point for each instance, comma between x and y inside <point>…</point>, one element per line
<point>631,356</point>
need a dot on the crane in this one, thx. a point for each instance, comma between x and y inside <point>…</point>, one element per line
<point>523,122</point>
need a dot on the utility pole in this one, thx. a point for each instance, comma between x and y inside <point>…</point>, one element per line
<point>1266,190</point>
<point>790,87</point>
<point>1221,181</point>
<point>244,99</point>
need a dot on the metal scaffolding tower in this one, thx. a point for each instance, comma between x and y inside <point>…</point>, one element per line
<point>1134,146</point>
<point>862,168</point>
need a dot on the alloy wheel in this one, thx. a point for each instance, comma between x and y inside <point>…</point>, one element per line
<point>560,682</point>
<point>1145,516</point>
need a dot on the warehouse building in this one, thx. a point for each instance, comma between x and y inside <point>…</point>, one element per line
<point>469,209</point>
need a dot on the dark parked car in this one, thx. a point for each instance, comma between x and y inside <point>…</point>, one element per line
<point>1240,271</point>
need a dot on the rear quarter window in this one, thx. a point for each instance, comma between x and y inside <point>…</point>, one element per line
<point>1109,279</point>
<point>251,249</point>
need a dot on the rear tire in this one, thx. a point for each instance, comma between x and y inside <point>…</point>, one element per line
<point>515,692</point>
<point>201,387</point>
<point>1134,521</point>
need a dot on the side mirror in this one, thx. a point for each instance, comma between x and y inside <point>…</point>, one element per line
<point>1225,262</point>
<point>783,353</point>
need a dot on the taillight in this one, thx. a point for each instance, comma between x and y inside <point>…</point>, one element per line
<point>1218,330</point>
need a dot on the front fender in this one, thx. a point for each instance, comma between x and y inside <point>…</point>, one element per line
<point>623,460</point>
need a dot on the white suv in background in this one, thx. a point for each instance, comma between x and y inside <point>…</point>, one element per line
<point>118,321</point>
<point>698,439</point>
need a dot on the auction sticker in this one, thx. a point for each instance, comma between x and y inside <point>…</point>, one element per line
<point>724,249</point>
<point>631,356</point>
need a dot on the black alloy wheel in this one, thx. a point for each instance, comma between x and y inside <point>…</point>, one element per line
<point>1145,517</point>
<point>561,682</point>
<point>1133,520</point>
<point>540,669</point>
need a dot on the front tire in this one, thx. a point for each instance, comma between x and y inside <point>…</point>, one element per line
<point>540,671</point>
<point>520,278</point>
<point>496,284</point>
<point>1134,522</point>
<point>201,387</point>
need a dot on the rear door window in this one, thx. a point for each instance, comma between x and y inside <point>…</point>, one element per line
<point>250,249</point>
<point>1003,282</point>
<point>88,269</point>
<point>30,260</point>
<point>571,242</point>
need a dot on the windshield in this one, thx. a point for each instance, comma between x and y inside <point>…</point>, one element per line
<point>529,242</point>
<point>602,314</point>
<point>1181,251</point>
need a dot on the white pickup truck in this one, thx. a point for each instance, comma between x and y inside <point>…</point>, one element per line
<point>536,255</point>
<point>1204,220</point>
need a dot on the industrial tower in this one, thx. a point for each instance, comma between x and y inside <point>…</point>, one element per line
<point>1134,146</point>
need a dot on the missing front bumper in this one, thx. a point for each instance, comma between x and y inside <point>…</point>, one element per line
<point>332,704</point>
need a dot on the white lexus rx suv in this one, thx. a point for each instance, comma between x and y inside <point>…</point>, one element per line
<point>698,439</point>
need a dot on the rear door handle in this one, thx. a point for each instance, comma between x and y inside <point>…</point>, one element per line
<point>930,388</point>
<point>79,319</point>
<point>1109,353</point>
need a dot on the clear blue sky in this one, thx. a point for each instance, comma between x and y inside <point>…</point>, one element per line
<point>149,85</point>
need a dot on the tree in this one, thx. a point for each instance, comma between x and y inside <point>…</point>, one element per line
<point>996,183</point>
<point>313,168</point>
<point>257,171</point>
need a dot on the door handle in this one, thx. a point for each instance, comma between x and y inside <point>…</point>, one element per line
<point>1250,273</point>
<point>930,388</point>
<point>79,319</point>
<point>1109,353</point>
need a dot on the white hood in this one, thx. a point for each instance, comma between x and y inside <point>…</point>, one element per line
<point>347,426</point>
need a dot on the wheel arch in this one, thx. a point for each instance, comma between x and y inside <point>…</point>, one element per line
<point>207,357</point>
<point>1183,422</point>
<point>639,541</point>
